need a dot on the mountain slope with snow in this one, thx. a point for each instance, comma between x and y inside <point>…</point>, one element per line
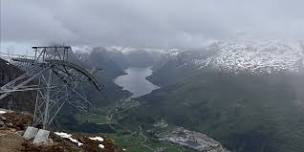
<point>247,56</point>
<point>246,95</point>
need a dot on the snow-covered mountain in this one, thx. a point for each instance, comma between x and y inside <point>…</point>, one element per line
<point>247,56</point>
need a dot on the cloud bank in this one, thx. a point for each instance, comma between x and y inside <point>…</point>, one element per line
<point>149,23</point>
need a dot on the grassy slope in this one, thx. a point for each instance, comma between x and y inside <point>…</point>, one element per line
<point>137,143</point>
<point>244,112</point>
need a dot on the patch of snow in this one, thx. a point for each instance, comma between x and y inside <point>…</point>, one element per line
<point>101,146</point>
<point>96,138</point>
<point>173,52</point>
<point>68,136</point>
<point>2,112</point>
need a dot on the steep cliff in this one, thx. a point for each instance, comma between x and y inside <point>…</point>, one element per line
<point>22,101</point>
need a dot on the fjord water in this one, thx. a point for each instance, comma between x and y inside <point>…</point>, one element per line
<point>135,81</point>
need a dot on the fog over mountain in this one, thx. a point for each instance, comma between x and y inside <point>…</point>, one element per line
<point>176,75</point>
<point>147,23</point>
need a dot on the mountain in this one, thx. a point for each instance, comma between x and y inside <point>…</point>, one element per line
<point>100,62</point>
<point>246,95</point>
<point>176,65</point>
<point>22,101</point>
<point>254,57</point>
<point>106,69</point>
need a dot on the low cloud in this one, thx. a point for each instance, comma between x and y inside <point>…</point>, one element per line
<point>149,23</point>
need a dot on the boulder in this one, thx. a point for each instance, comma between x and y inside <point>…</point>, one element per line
<point>30,133</point>
<point>42,137</point>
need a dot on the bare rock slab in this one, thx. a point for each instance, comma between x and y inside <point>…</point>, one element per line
<point>30,133</point>
<point>42,137</point>
<point>193,140</point>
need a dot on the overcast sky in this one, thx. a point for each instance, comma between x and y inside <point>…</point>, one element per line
<point>148,23</point>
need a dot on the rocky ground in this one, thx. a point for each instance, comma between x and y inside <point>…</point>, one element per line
<point>193,140</point>
<point>13,125</point>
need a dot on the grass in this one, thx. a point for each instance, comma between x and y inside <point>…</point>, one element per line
<point>243,112</point>
<point>137,143</point>
<point>91,117</point>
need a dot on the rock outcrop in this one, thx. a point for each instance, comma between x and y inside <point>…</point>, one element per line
<point>193,140</point>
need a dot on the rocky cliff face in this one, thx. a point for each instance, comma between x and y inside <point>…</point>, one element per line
<point>7,72</point>
<point>22,101</point>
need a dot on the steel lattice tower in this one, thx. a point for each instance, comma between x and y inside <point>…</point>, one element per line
<point>55,80</point>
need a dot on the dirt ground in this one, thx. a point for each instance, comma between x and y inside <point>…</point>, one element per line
<point>10,141</point>
<point>13,125</point>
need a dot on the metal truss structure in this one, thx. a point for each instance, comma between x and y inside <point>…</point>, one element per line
<point>55,79</point>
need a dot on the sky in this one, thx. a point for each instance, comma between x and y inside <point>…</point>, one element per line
<point>146,23</point>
